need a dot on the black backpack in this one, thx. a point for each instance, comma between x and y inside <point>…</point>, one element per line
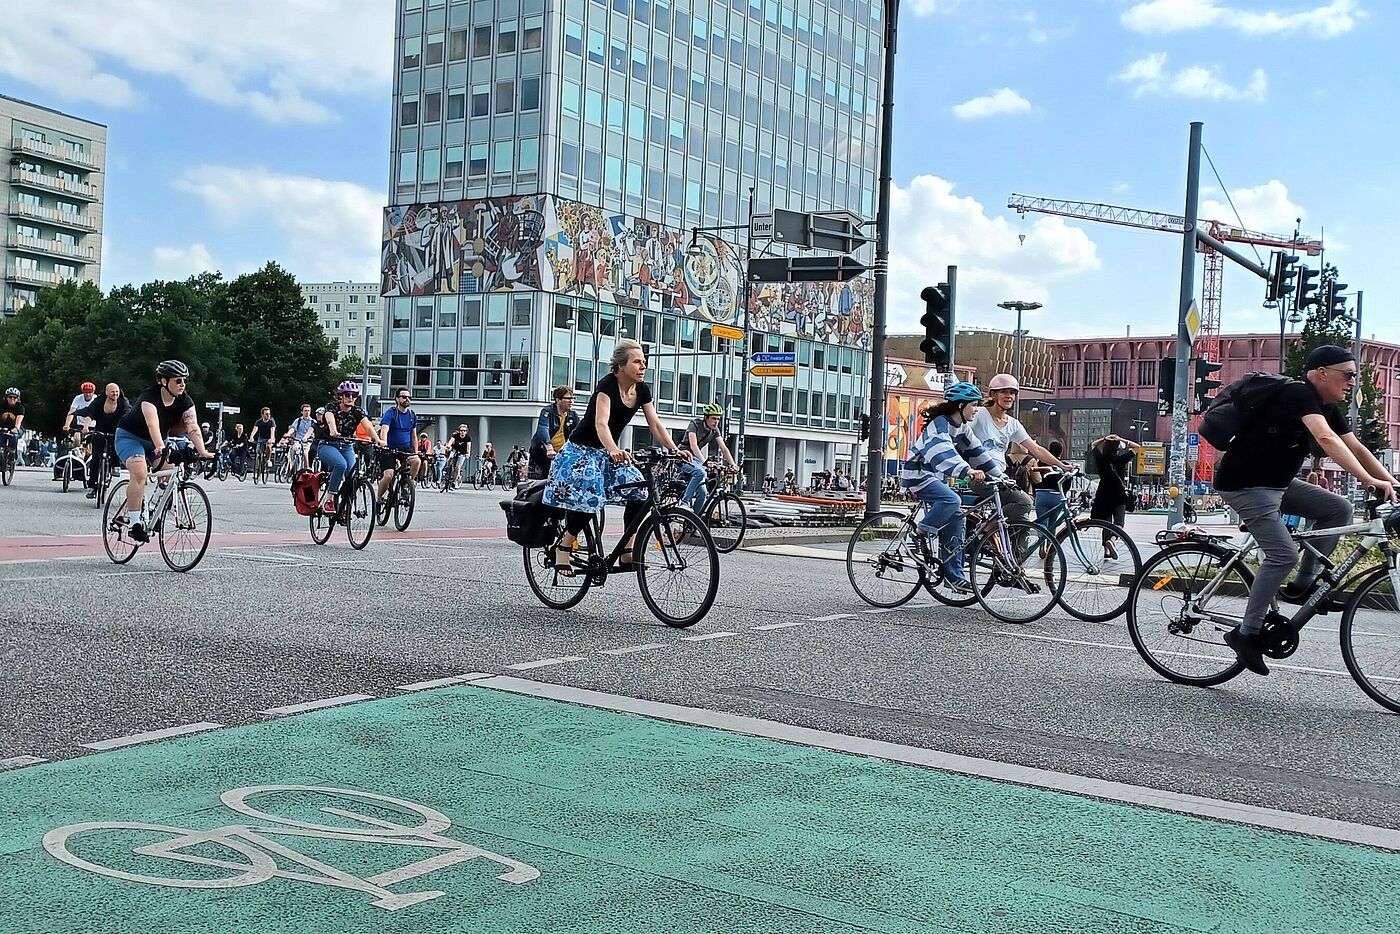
<point>529,522</point>
<point>1234,409</point>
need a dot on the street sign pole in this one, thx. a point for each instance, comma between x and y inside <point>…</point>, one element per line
<point>744,376</point>
<point>1185,304</point>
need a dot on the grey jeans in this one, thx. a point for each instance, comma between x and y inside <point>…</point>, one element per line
<point>1261,509</point>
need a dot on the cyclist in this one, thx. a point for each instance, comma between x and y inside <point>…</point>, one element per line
<point>264,433</point>
<point>103,415</point>
<point>163,409</point>
<point>588,470</point>
<point>12,420</point>
<point>342,423</point>
<point>702,433</point>
<point>556,423</point>
<point>948,448</point>
<point>396,433</point>
<point>459,450</point>
<point>425,454</point>
<point>517,460</point>
<point>236,448</point>
<point>299,433</point>
<point>1045,485</point>
<point>1258,478</point>
<point>998,430</point>
<point>86,393</point>
<point>207,434</point>
<point>488,458</point>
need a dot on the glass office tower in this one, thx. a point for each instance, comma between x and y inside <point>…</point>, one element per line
<point>550,161</point>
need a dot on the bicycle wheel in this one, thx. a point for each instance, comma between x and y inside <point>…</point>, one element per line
<point>677,567</point>
<point>1164,619</point>
<point>936,582</point>
<point>727,521</point>
<point>880,560</point>
<point>1022,585</point>
<point>359,511</point>
<point>1101,563</point>
<point>1370,633</point>
<point>405,497</point>
<point>223,469</point>
<point>257,469</point>
<point>7,472</point>
<point>479,479</point>
<point>185,527</point>
<point>322,524</point>
<point>67,473</point>
<point>557,589</point>
<point>119,548</point>
<point>102,481</point>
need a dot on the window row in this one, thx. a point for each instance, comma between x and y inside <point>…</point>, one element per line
<point>453,163</point>
<point>1068,372</point>
<point>480,41</point>
<point>506,96</point>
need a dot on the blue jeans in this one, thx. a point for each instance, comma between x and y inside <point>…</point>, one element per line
<point>1047,506</point>
<point>942,517</point>
<point>695,486</point>
<point>340,458</point>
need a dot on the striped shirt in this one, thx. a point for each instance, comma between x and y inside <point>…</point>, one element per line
<point>943,452</point>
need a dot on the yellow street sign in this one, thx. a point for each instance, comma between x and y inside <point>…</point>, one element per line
<point>726,332</point>
<point>1193,321</point>
<point>774,370</point>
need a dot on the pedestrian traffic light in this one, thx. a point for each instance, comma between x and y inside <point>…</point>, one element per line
<point>937,345</point>
<point>862,426</point>
<point>1205,386</point>
<point>1333,301</point>
<point>1307,288</point>
<point>1282,272</point>
<point>1166,384</point>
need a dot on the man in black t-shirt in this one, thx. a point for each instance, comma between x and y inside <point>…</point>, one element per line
<point>459,451</point>
<point>11,417</point>
<point>103,414</point>
<point>1258,478</point>
<point>264,432</point>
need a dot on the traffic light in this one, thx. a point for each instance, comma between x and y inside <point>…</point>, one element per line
<point>1370,433</point>
<point>1166,384</point>
<point>1333,301</point>
<point>862,426</point>
<point>1205,386</point>
<point>1307,288</point>
<point>1282,272</point>
<point>937,345</point>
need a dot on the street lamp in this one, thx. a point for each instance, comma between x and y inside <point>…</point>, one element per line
<point>1019,307</point>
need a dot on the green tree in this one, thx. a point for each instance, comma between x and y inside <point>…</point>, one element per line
<point>35,355</point>
<point>1370,409</point>
<point>353,367</point>
<point>1317,330</point>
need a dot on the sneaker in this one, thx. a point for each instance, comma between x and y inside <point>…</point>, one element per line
<point>137,533</point>
<point>91,493</point>
<point>1293,592</point>
<point>954,585</point>
<point>1246,646</point>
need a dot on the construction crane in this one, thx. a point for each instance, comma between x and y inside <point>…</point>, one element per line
<point>1208,337</point>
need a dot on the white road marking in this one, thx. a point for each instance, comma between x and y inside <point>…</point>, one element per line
<point>546,662</point>
<point>136,739</point>
<point>316,704</point>
<point>708,636</point>
<point>632,649</point>
<point>1097,645</point>
<point>265,556</point>
<point>799,551</point>
<point>1384,838</point>
<point>444,682</point>
<point>15,762</point>
<point>880,610</point>
<point>827,619</point>
<point>769,628</point>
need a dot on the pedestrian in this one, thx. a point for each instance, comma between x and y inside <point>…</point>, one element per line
<point>1111,455</point>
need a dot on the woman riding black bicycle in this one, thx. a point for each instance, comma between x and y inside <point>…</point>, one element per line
<point>337,432</point>
<point>588,470</point>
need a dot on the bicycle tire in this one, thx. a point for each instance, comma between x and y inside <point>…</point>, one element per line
<point>1091,574</point>
<point>1382,627</point>
<point>8,473</point>
<point>505,478</point>
<point>1148,589</point>
<point>192,499</point>
<point>119,548</point>
<point>404,502</point>
<point>727,521</point>
<point>359,510</point>
<point>322,525</point>
<point>223,470</point>
<point>891,563</point>
<point>556,590</point>
<point>659,543</point>
<point>67,473</point>
<point>479,478</point>
<point>1038,572</point>
<point>101,482</point>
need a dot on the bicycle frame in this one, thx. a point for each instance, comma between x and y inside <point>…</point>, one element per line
<point>629,530</point>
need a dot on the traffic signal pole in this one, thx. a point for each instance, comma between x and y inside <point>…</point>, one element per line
<point>1181,390</point>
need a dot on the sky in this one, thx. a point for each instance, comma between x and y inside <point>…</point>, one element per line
<point>272,142</point>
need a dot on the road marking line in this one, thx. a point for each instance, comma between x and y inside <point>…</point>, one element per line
<point>631,649</point>
<point>708,636</point>
<point>827,619</point>
<point>15,762</point>
<point>879,610</point>
<point>1097,645</point>
<point>271,558</point>
<point>443,682</point>
<point>1384,838</point>
<point>800,622</point>
<point>136,739</point>
<point>546,662</point>
<point>316,704</point>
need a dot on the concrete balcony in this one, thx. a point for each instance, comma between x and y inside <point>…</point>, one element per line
<point>33,276</point>
<point>83,254</point>
<point>53,216</point>
<point>28,179</point>
<point>54,153</point>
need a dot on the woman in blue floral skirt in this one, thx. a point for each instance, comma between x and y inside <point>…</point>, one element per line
<point>587,471</point>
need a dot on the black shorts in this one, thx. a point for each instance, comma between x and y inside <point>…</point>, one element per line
<point>388,460</point>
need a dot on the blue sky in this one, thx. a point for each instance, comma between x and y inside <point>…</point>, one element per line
<point>272,142</point>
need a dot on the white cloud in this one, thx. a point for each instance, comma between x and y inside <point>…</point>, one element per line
<point>318,229</point>
<point>999,102</point>
<point>1265,208</point>
<point>1150,75</point>
<point>933,228</point>
<point>1167,16</point>
<point>926,7</point>
<point>270,57</point>
<point>174,263</point>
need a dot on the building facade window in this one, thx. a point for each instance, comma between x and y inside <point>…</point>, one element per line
<point>1091,373</point>
<point>1118,372</point>
<point>1147,372</point>
<point>1066,376</point>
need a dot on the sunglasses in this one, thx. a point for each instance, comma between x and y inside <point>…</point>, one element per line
<point>1349,375</point>
<point>179,379</point>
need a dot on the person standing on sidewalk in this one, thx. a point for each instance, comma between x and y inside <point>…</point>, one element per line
<point>1112,455</point>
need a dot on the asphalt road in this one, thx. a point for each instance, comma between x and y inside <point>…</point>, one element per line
<point>93,651</point>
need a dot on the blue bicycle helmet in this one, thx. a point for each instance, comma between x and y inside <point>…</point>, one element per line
<point>962,392</point>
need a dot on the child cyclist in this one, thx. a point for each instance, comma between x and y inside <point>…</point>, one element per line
<point>946,450</point>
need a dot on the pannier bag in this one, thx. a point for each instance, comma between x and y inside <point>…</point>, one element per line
<point>529,522</point>
<point>306,492</point>
<point>1235,407</point>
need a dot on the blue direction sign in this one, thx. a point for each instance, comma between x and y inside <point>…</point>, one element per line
<point>1193,440</point>
<point>767,358</point>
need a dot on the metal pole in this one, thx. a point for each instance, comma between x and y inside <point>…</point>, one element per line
<point>875,472</point>
<point>1183,334</point>
<point>1016,364</point>
<point>1356,387</point>
<point>952,279</point>
<point>744,377</point>
<point>364,383</point>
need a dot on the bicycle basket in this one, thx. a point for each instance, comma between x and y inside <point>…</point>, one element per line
<point>306,491</point>
<point>529,522</point>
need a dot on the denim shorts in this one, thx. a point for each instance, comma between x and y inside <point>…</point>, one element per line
<point>129,445</point>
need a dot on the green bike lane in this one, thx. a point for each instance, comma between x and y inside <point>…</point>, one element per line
<point>473,809</point>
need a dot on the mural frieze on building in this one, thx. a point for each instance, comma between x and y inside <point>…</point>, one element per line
<point>543,243</point>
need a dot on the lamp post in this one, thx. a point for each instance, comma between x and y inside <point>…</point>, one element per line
<point>364,382</point>
<point>1019,307</point>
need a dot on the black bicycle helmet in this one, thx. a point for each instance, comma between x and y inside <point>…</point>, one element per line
<point>171,368</point>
